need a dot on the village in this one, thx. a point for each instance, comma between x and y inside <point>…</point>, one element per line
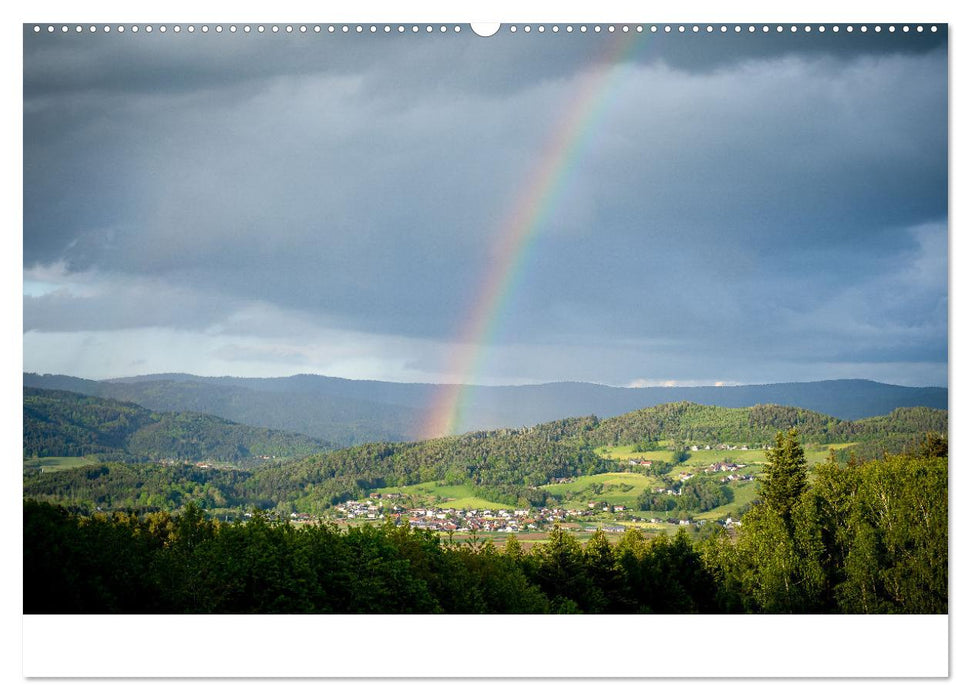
<point>379,507</point>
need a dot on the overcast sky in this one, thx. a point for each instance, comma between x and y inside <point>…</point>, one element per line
<point>738,208</point>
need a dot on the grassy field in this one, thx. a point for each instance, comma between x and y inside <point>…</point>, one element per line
<point>821,454</point>
<point>626,452</point>
<point>615,488</point>
<point>54,464</point>
<point>623,453</point>
<point>745,493</point>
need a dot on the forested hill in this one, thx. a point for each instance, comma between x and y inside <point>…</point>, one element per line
<point>691,423</point>
<point>61,423</point>
<point>341,420</point>
<point>506,464</point>
<point>350,412</point>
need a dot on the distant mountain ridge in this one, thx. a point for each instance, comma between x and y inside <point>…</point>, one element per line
<point>68,424</point>
<point>347,412</point>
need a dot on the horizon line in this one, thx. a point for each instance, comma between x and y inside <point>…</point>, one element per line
<point>665,385</point>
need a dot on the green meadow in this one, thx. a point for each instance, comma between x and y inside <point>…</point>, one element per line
<point>745,493</point>
<point>54,464</point>
<point>623,453</point>
<point>615,488</point>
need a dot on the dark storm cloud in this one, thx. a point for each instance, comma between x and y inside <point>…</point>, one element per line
<point>129,63</point>
<point>776,196</point>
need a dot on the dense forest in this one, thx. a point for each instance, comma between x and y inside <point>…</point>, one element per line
<point>866,537</point>
<point>65,424</point>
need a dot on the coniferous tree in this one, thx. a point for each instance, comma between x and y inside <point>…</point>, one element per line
<point>784,478</point>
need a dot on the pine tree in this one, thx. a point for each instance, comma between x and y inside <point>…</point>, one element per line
<point>784,478</point>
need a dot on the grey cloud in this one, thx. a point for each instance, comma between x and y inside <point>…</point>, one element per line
<point>731,192</point>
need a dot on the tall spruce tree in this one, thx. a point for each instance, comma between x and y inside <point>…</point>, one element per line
<point>784,478</point>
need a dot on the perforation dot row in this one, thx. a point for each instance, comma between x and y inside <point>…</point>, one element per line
<point>513,28</point>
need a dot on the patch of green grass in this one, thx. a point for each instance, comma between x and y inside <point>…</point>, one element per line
<point>623,453</point>
<point>821,454</point>
<point>583,483</point>
<point>614,488</point>
<point>706,457</point>
<point>745,493</point>
<point>52,464</point>
<point>626,452</point>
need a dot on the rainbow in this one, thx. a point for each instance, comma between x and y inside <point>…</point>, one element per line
<point>518,230</point>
